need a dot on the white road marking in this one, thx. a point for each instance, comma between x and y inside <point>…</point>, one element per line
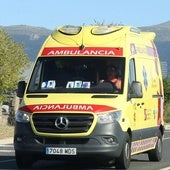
<point>167,168</point>
<point>166,138</point>
<point>6,148</point>
<point>9,160</point>
<point>6,151</point>
<point>5,145</point>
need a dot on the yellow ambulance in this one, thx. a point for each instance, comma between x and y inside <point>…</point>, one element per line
<point>71,108</point>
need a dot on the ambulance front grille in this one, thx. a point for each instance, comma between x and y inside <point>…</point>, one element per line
<point>62,123</point>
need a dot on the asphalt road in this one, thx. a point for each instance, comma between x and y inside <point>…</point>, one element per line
<point>138,162</point>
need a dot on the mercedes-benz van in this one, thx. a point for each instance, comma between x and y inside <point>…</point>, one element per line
<point>67,112</point>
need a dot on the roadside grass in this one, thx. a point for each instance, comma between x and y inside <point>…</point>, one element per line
<point>6,130</point>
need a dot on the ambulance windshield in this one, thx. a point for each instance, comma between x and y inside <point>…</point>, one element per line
<point>76,75</point>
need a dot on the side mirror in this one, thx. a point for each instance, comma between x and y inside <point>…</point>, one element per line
<point>21,88</point>
<point>135,90</point>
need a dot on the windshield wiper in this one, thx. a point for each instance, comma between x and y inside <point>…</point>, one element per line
<point>104,96</point>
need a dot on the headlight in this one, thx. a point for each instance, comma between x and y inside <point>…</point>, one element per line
<point>109,117</point>
<point>22,116</point>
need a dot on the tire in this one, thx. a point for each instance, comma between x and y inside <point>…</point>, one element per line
<point>123,162</point>
<point>156,154</point>
<point>24,161</point>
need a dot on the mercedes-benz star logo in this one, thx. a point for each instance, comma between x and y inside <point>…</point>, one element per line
<point>61,122</point>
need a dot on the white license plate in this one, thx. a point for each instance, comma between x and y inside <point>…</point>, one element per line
<point>60,151</point>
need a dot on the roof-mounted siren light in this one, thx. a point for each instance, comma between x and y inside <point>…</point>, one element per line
<point>102,30</point>
<point>70,30</point>
<point>135,30</point>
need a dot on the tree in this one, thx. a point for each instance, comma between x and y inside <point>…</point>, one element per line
<point>13,61</point>
<point>166,90</point>
<point>166,82</point>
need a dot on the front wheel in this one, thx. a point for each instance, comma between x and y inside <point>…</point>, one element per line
<point>156,154</point>
<point>123,162</point>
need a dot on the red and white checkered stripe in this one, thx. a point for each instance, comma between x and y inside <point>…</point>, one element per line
<point>143,145</point>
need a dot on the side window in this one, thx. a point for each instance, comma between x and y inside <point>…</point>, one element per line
<point>132,73</point>
<point>35,80</point>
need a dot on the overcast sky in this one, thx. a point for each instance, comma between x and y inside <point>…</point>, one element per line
<point>52,13</point>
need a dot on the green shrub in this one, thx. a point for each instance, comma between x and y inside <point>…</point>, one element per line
<point>167,113</point>
<point>166,83</point>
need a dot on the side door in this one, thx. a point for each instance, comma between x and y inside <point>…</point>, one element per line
<point>136,104</point>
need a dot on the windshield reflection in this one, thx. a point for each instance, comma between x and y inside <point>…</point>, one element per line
<point>75,75</point>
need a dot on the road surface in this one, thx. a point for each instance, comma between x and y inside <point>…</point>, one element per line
<point>138,162</point>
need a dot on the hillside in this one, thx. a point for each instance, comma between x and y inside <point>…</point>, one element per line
<point>33,37</point>
<point>162,40</point>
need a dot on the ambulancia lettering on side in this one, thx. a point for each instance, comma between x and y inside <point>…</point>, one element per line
<point>95,93</point>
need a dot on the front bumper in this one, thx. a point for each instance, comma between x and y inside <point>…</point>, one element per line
<point>105,142</point>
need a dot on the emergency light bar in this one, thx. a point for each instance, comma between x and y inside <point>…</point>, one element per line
<point>70,30</point>
<point>134,29</point>
<point>102,30</point>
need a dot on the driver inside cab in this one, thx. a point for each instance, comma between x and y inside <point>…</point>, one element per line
<point>112,76</point>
